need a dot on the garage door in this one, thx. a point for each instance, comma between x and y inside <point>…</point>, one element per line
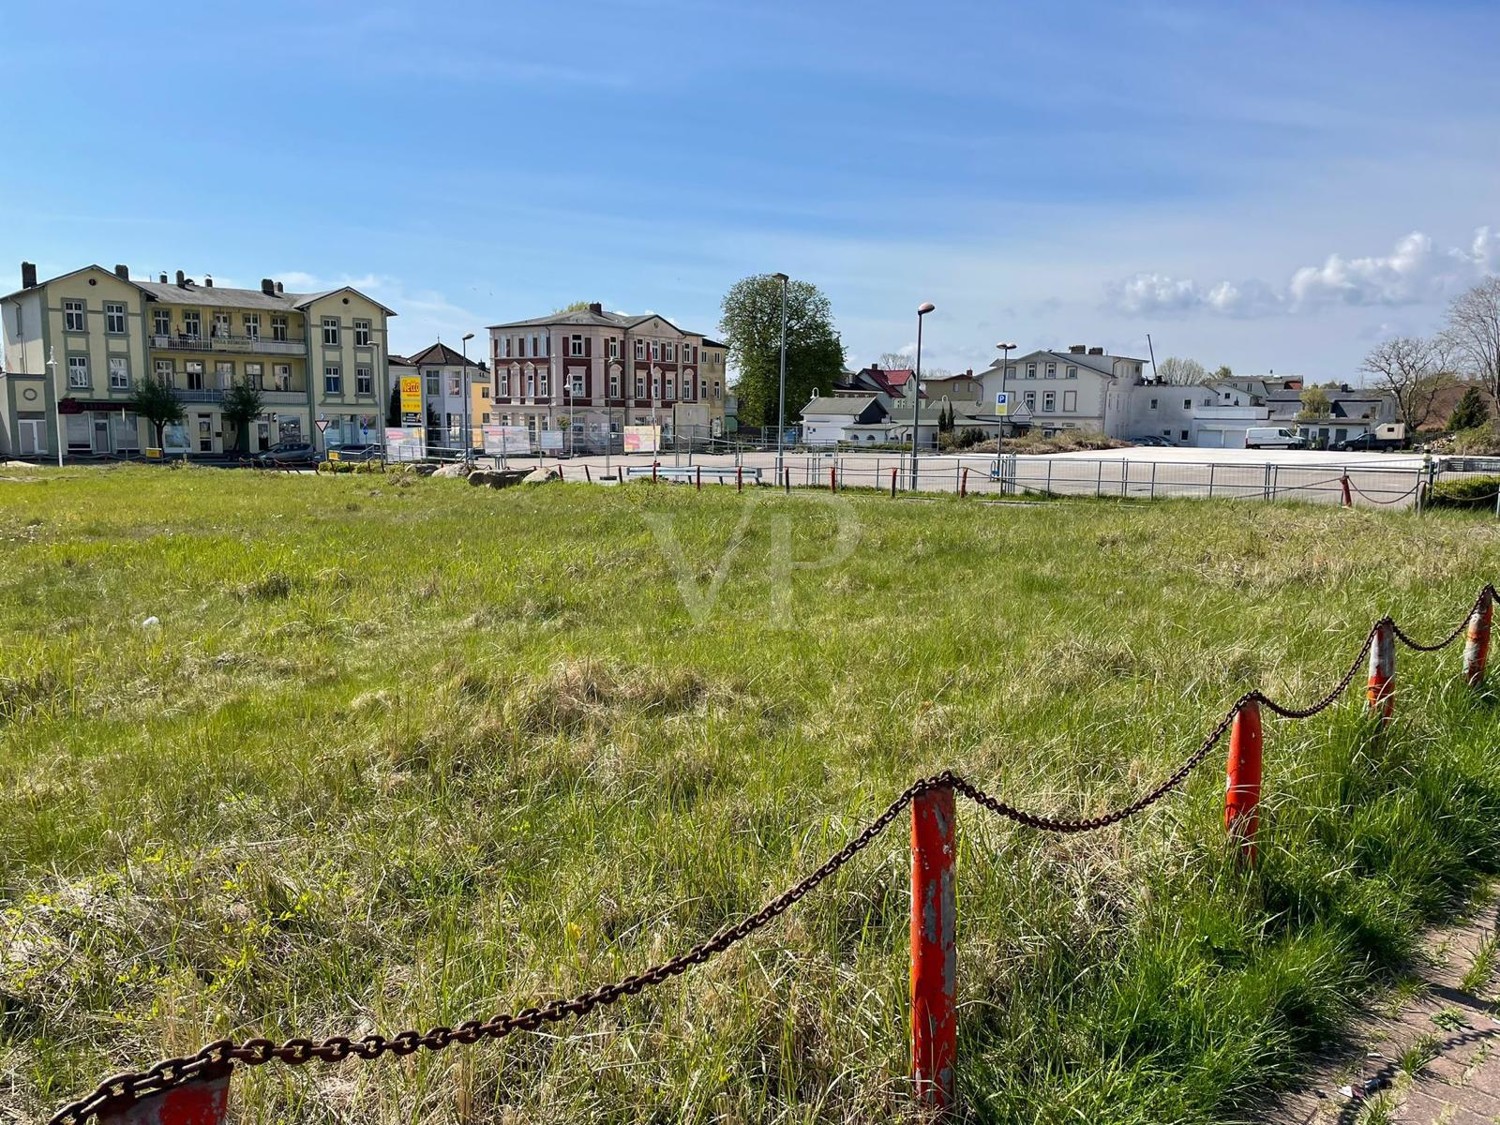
<point>1211,439</point>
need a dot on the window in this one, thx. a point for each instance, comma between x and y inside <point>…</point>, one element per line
<point>656,384</point>
<point>434,381</point>
<point>331,330</point>
<point>502,347</point>
<point>73,317</point>
<point>669,351</point>
<point>614,384</point>
<point>716,388</point>
<point>281,376</point>
<point>612,348</point>
<point>224,373</point>
<point>1184,434</point>
<point>1072,373</point>
<point>1187,404</point>
<point>538,347</point>
<point>1049,402</point>
<point>114,317</point>
<point>455,383</point>
<point>1031,371</point>
<point>669,386</point>
<point>78,371</point>
<point>503,378</point>
<point>278,327</point>
<point>530,382</point>
<point>221,326</point>
<point>364,381</point>
<point>1052,371</point>
<point>576,378</point>
<point>333,379</point>
<point>192,323</point>
<point>702,388</point>
<point>164,372</point>
<point>640,386</point>
<point>575,345</point>
<point>252,326</point>
<point>640,349</point>
<point>161,320</point>
<point>521,347</point>
<point>1010,372</point>
<point>194,369</point>
<point>1070,401</point>
<point>119,373</point>
<point>361,333</point>
<point>484,391</point>
<point>1153,404</point>
<point>1030,400</point>
<point>255,375</point>
<point>543,389</point>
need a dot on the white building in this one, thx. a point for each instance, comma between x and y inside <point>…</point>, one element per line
<point>1080,389</point>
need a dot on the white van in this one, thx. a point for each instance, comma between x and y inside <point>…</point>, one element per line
<point>1273,437</point>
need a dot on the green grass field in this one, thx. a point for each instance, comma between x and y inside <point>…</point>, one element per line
<point>404,752</point>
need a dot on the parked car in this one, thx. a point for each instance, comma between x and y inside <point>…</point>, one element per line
<point>288,453</point>
<point>1273,437</point>
<point>356,453</point>
<point>1152,440</point>
<point>1367,441</point>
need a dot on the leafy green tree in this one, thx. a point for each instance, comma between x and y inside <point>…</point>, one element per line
<point>1222,371</point>
<point>1471,411</point>
<point>393,408</point>
<point>1315,403</point>
<point>242,406</point>
<point>156,401</point>
<point>574,306</point>
<point>751,326</point>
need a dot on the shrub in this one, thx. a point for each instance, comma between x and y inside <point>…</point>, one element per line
<point>1481,440</point>
<point>1464,492</point>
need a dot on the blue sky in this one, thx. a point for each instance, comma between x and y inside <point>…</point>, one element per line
<point>1269,185</point>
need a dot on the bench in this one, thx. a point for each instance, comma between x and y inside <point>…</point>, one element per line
<point>691,474</point>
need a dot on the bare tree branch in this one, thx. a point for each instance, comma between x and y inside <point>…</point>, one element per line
<point>1413,369</point>
<point>1181,372</point>
<point>1473,332</point>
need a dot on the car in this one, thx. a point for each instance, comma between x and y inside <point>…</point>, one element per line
<point>356,453</point>
<point>1273,437</point>
<point>288,453</point>
<point>1366,441</point>
<point>1153,441</point>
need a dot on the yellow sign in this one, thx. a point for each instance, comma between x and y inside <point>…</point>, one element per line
<point>411,394</point>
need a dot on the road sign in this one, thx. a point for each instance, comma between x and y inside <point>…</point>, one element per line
<point>1002,403</point>
<point>322,424</point>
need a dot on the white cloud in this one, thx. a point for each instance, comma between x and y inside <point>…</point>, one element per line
<point>1414,272</point>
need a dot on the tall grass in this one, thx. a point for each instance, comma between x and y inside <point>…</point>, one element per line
<point>404,753</point>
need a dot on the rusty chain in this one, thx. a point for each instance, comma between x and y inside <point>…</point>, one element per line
<point>217,1058</point>
<point>1484,595</point>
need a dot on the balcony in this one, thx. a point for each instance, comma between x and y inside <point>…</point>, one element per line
<point>241,345</point>
<point>267,398</point>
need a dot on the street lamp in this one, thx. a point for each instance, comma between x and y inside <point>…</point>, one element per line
<point>916,390</point>
<point>468,432</point>
<point>781,397</point>
<point>57,402</point>
<point>1005,350</point>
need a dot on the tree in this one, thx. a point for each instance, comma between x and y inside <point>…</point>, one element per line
<point>1223,371</point>
<point>393,407</point>
<point>1471,411</point>
<point>1413,370</point>
<point>575,306</point>
<point>156,401</point>
<point>242,406</point>
<point>751,326</point>
<point>1181,372</point>
<point>894,361</point>
<point>1473,332</point>
<point>1315,403</point>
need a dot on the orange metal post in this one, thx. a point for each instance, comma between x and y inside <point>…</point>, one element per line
<point>202,1101</point>
<point>1382,688</point>
<point>1477,644</point>
<point>1242,794</point>
<point>934,956</point>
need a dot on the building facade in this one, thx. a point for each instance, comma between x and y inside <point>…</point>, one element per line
<point>1081,389</point>
<point>586,374</point>
<point>447,378</point>
<point>75,347</point>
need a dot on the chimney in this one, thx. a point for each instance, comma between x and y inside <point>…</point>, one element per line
<point>208,281</point>
<point>278,288</point>
<point>163,279</point>
<point>597,309</point>
<point>1076,349</point>
<point>181,280</point>
<point>122,272</point>
<point>28,275</point>
<point>267,287</point>
<point>1096,351</point>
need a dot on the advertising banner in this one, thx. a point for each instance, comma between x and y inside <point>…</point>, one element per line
<point>403,443</point>
<point>641,439</point>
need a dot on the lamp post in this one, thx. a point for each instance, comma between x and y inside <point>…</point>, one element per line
<point>468,432</point>
<point>781,397</point>
<point>916,389</point>
<point>57,405</point>
<point>1005,350</point>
